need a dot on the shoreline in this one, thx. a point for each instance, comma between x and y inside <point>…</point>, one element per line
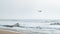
<point>15,31</point>
<point>7,32</point>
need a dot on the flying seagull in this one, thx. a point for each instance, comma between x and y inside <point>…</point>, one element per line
<point>39,11</point>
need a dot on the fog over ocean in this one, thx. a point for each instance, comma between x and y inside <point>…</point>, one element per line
<point>33,16</point>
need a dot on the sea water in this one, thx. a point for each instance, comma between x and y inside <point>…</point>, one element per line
<point>32,26</point>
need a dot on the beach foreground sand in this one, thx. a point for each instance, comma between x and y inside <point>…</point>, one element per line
<point>8,32</point>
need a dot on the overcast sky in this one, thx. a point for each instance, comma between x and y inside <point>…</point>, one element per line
<point>29,9</point>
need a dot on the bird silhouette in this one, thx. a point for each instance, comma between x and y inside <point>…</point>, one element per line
<point>39,11</point>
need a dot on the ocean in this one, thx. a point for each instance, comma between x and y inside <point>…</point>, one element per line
<point>32,26</point>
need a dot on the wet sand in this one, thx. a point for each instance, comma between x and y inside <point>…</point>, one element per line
<point>8,32</point>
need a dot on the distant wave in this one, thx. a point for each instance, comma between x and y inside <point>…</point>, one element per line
<point>33,20</point>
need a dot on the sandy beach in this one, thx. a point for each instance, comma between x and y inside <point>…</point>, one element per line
<point>8,32</point>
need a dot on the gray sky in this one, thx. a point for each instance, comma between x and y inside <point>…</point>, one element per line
<point>28,9</point>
